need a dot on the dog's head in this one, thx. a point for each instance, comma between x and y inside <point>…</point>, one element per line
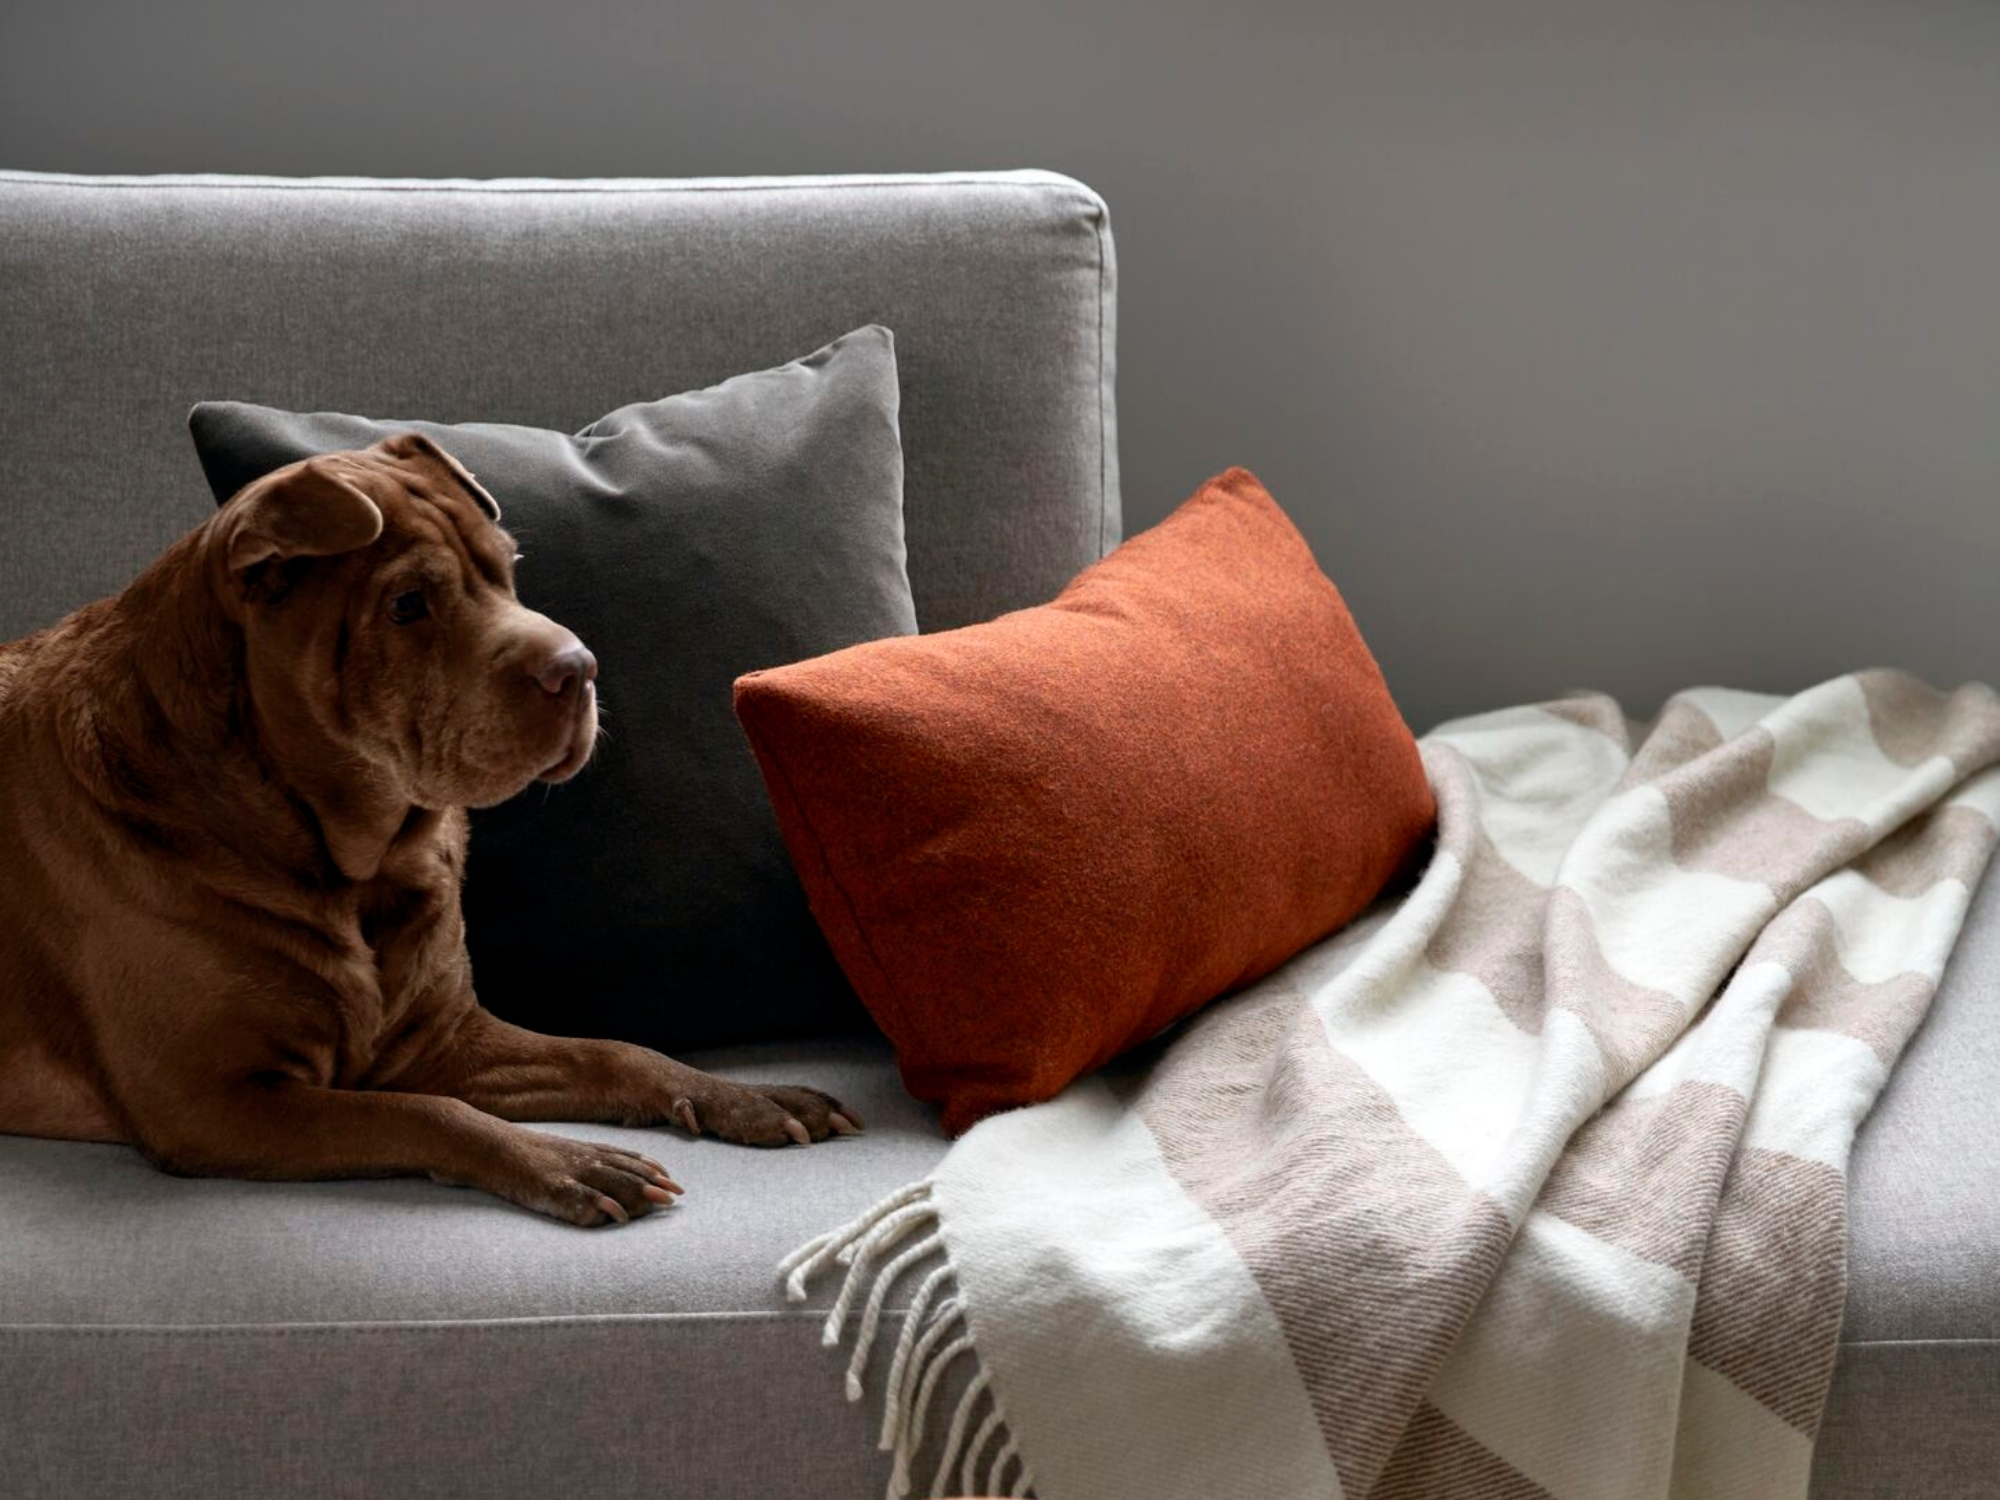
<point>386,654</point>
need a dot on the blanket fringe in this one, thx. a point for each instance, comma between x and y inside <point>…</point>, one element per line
<point>872,1249</point>
<point>1008,1453</point>
<point>968,1471</point>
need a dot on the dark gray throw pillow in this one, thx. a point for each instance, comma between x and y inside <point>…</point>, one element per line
<point>687,541</point>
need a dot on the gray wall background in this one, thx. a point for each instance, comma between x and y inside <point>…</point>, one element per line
<point>1591,344</point>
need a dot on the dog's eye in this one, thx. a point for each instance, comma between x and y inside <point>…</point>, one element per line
<point>407,609</point>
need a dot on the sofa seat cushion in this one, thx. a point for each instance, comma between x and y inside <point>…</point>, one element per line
<point>368,1338</point>
<point>165,1336</point>
<point>92,1235</point>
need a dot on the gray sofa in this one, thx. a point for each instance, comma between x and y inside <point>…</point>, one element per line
<point>193,1338</point>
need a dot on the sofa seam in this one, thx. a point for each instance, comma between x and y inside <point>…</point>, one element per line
<point>1978,1343</point>
<point>413,1325</point>
<point>591,1320</point>
<point>503,187</point>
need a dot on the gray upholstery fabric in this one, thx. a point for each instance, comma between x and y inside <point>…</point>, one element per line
<point>123,301</point>
<point>687,540</point>
<point>1924,1223</point>
<point>210,1339</point>
<point>213,1252</point>
<point>1915,1406</point>
<point>738,1408</point>
<point>1911,1421</point>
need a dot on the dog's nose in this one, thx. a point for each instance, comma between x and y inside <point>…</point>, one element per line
<point>570,665</point>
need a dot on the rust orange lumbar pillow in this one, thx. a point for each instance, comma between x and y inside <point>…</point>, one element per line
<point>1036,842</point>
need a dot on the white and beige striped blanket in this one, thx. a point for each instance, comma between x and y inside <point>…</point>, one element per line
<point>1533,1185</point>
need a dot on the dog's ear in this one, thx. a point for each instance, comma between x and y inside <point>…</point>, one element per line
<point>414,445</point>
<point>306,509</point>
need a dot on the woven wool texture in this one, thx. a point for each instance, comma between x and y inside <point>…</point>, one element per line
<point>1531,1186</point>
<point>1036,842</point>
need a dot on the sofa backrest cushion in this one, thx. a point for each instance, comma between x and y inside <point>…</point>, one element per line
<point>123,301</point>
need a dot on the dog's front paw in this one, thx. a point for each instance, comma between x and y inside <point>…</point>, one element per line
<point>762,1114</point>
<point>584,1182</point>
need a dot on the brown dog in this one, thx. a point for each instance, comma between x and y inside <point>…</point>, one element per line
<point>231,835</point>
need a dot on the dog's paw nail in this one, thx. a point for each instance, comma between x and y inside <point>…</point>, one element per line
<point>842,1125</point>
<point>684,1112</point>
<point>612,1207</point>
<point>658,1194</point>
<point>797,1131</point>
<point>668,1184</point>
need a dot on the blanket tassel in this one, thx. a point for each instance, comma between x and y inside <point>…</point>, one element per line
<point>872,1247</point>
